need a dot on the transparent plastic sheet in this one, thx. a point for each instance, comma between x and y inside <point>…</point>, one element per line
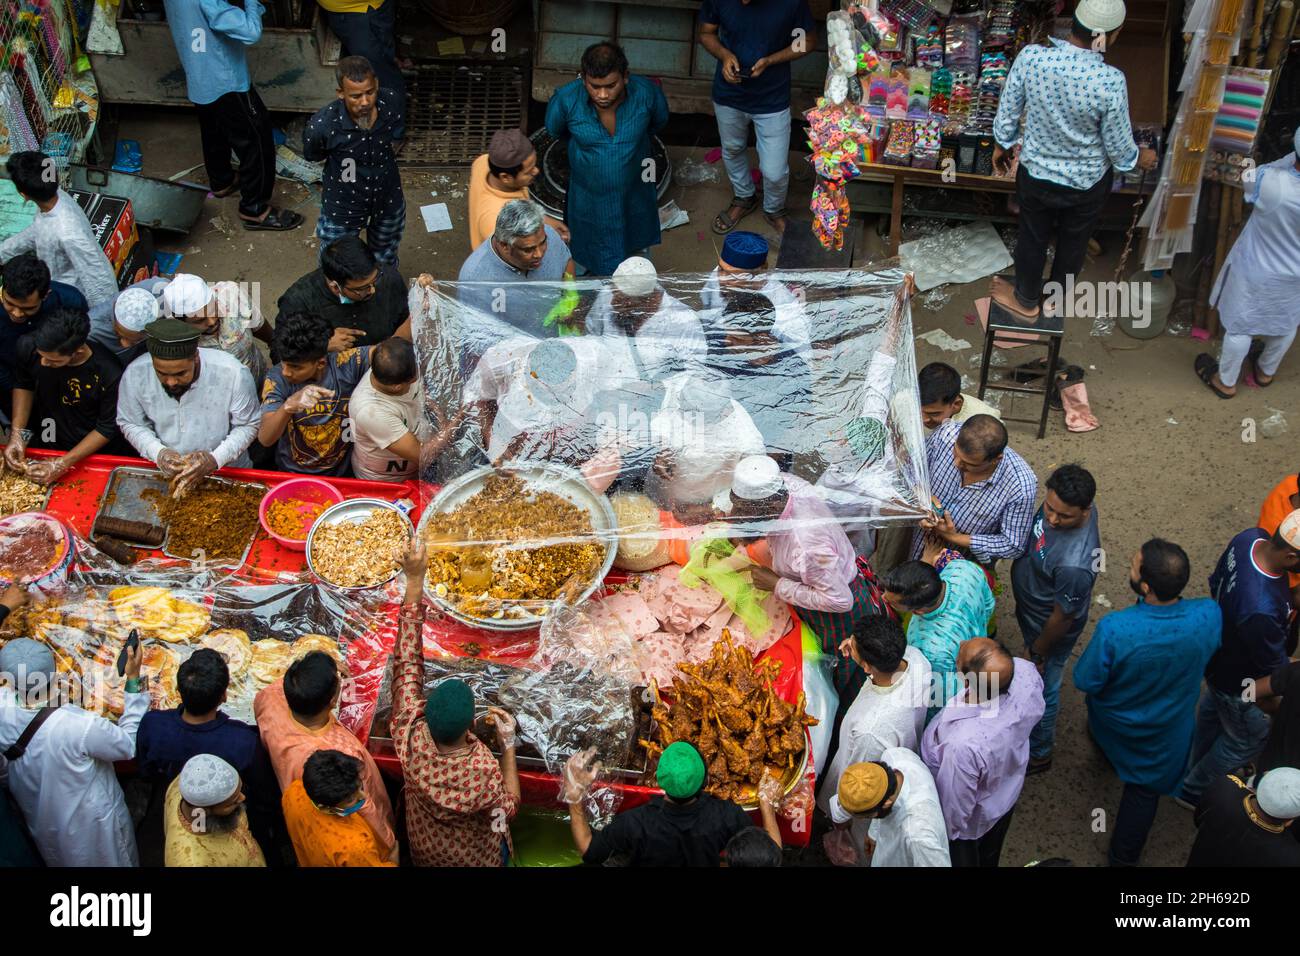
<point>586,388</point>
<point>260,629</point>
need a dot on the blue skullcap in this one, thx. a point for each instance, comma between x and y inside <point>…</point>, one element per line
<point>744,250</point>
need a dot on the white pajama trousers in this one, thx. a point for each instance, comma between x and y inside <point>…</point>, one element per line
<point>1235,347</point>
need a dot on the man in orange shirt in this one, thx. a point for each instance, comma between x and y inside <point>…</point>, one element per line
<point>323,813</point>
<point>501,175</point>
<point>1281,501</point>
<point>296,718</point>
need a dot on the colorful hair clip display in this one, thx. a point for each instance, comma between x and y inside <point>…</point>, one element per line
<point>902,136</point>
<point>896,95</point>
<point>830,214</point>
<point>929,48</point>
<point>918,93</point>
<point>926,143</point>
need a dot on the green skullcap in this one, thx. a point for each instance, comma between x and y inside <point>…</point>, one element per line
<point>681,771</point>
<point>449,710</point>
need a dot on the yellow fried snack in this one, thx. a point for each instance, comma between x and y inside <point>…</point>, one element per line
<point>271,658</point>
<point>316,642</point>
<point>188,622</point>
<point>144,608</point>
<point>232,644</point>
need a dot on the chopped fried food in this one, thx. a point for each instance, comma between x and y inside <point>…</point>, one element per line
<point>360,554</point>
<point>18,494</point>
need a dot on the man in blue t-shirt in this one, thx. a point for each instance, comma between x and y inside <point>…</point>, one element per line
<point>754,42</point>
<point>1052,582</point>
<point>1250,584</point>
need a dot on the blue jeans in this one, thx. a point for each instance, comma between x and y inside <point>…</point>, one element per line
<point>1137,811</point>
<point>772,136</point>
<point>1229,734</point>
<point>1043,737</point>
<point>370,34</point>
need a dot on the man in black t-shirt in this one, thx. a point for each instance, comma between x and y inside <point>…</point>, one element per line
<point>1272,696</point>
<point>685,827</point>
<point>1237,826</point>
<point>364,300</point>
<point>65,387</point>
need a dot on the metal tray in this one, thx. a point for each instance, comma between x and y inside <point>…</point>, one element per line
<point>124,488</point>
<point>539,476</point>
<point>353,511</point>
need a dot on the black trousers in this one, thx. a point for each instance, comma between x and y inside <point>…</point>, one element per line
<point>1137,811</point>
<point>239,121</point>
<point>986,850</point>
<point>1047,210</point>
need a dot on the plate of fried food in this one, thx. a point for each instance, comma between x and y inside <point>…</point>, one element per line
<point>506,544</point>
<point>358,544</point>
<point>727,709</point>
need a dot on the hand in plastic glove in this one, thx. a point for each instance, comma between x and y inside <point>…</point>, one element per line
<point>198,465</point>
<point>580,772</point>
<point>47,470</point>
<point>770,790</point>
<point>16,454</point>
<point>170,462</point>
<point>504,725</point>
<point>305,399</point>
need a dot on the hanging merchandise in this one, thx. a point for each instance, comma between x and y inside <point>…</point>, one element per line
<point>830,213</point>
<point>844,56</point>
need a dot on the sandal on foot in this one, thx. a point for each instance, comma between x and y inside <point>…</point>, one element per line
<point>723,224</point>
<point>1206,368</point>
<point>226,191</point>
<point>773,218</point>
<point>1256,350</point>
<point>277,220</point>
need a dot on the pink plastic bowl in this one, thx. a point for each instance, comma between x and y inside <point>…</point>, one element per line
<point>311,490</point>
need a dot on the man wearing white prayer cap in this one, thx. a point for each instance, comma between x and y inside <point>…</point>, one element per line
<point>204,819</point>
<point>1238,826</point>
<point>644,324</point>
<point>63,778</point>
<point>226,315</point>
<point>809,562</point>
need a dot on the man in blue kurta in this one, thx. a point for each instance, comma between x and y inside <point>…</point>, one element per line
<point>607,116</point>
<point>1142,674</point>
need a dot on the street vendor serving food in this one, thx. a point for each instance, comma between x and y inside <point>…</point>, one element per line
<point>187,409</point>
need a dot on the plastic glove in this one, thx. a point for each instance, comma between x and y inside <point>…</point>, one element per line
<point>304,400</point>
<point>16,455</point>
<point>839,848</point>
<point>198,465</point>
<point>170,462</point>
<point>504,725</point>
<point>580,772</point>
<point>770,790</point>
<point>46,471</point>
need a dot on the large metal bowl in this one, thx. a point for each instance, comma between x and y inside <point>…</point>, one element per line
<point>352,511</point>
<point>540,476</point>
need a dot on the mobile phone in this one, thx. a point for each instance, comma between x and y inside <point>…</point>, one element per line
<point>746,72</point>
<point>132,641</point>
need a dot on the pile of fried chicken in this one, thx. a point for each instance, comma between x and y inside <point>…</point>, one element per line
<point>727,709</point>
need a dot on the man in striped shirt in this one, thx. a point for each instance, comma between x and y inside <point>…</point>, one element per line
<point>986,490</point>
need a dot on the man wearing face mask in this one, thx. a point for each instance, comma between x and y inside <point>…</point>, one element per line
<point>227,319</point>
<point>188,410</point>
<point>364,300</point>
<point>1145,726</point>
<point>324,813</point>
<point>892,809</point>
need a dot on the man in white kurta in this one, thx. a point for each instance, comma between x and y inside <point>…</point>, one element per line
<point>1255,291</point>
<point>61,237</point>
<point>908,828</point>
<point>64,782</point>
<point>650,330</point>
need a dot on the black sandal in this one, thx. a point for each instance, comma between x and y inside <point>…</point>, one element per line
<point>723,225</point>
<point>1256,350</point>
<point>1206,368</point>
<point>277,220</point>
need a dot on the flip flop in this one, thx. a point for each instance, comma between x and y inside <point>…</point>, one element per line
<point>723,225</point>
<point>277,220</point>
<point>1256,350</point>
<point>1206,367</point>
<point>1035,368</point>
<point>227,191</point>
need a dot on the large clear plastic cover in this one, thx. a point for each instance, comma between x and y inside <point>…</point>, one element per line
<point>611,414</point>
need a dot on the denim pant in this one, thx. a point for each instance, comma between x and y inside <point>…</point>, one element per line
<point>1229,734</point>
<point>772,135</point>
<point>1043,737</point>
<point>370,34</point>
<point>1137,811</point>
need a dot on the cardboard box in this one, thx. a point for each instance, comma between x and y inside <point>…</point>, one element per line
<point>112,220</point>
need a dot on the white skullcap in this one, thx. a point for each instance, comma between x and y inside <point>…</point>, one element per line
<point>706,401</point>
<point>1105,16</point>
<point>1295,143</point>
<point>636,277</point>
<point>186,295</point>
<point>1278,793</point>
<point>755,478</point>
<point>207,780</point>
<point>1289,529</point>
<point>134,309</point>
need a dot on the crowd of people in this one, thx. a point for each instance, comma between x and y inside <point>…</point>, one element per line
<point>935,722</point>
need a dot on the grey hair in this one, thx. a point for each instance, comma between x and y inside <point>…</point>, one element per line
<point>517,219</point>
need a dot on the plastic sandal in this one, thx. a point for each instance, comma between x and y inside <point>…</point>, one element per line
<point>277,220</point>
<point>723,225</point>
<point>1206,368</point>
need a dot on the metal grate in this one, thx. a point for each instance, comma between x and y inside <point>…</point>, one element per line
<point>452,111</point>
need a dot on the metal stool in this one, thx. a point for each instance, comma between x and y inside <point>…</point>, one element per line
<point>1048,330</point>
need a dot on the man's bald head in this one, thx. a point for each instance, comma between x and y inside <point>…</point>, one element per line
<point>982,437</point>
<point>990,665</point>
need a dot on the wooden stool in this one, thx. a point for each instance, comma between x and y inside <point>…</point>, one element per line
<point>1048,331</point>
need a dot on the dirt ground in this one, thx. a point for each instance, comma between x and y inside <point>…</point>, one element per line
<point>1169,458</point>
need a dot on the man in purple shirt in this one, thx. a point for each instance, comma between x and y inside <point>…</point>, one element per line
<point>978,748</point>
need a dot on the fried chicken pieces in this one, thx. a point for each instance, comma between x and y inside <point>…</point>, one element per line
<point>727,709</point>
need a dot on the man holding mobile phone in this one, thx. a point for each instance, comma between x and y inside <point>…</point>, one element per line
<point>754,42</point>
